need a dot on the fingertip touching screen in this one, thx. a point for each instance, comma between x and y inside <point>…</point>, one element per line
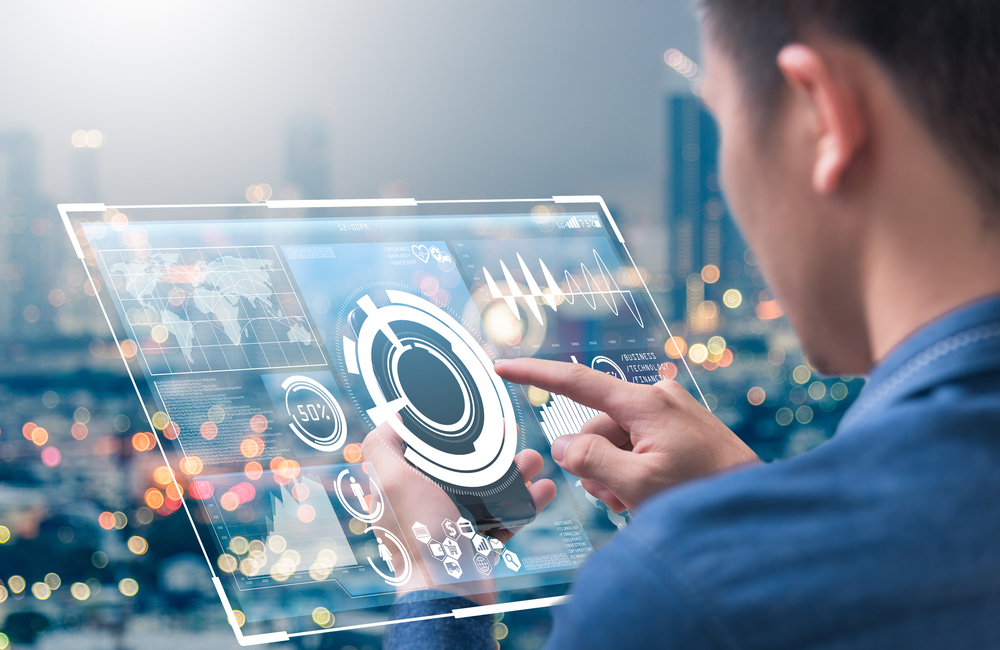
<point>267,341</point>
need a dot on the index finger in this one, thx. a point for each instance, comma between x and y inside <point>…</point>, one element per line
<point>581,384</point>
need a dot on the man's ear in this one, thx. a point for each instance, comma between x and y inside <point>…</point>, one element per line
<point>839,121</point>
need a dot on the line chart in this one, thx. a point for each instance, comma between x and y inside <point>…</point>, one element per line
<point>589,287</point>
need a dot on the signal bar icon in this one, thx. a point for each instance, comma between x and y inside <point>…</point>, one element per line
<point>573,223</point>
<point>603,285</point>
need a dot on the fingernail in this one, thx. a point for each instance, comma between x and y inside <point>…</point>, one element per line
<point>559,447</point>
<point>499,362</point>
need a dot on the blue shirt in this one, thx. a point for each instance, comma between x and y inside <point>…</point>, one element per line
<point>888,536</point>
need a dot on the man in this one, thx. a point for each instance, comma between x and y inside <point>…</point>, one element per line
<point>861,157</point>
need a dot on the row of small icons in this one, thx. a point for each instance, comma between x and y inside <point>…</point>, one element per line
<point>448,551</point>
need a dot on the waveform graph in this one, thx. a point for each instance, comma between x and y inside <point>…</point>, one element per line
<point>592,288</point>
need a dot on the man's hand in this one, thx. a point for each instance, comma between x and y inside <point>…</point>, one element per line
<point>646,438</point>
<point>413,497</point>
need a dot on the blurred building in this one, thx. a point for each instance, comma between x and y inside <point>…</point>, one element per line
<point>25,260</point>
<point>706,246</point>
<point>308,168</point>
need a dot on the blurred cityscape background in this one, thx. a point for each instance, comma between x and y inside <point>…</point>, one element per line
<point>139,102</point>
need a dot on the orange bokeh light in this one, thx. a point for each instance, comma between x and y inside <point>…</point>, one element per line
<point>191,465</point>
<point>675,347</point>
<point>143,441</point>
<point>258,423</point>
<point>300,491</point>
<point>174,492</point>
<point>171,431</point>
<point>39,436</point>
<point>727,358</point>
<point>209,430</point>
<point>106,520</point>
<point>352,453</point>
<point>306,513</point>
<point>162,475</point>
<point>27,429</point>
<point>253,470</point>
<point>229,501</point>
<point>78,430</point>
<point>667,370</point>
<point>252,447</point>
<point>154,498</point>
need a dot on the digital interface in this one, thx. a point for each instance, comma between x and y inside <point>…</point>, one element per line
<point>267,340</point>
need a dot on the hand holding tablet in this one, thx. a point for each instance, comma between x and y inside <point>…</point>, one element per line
<point>417,499</point>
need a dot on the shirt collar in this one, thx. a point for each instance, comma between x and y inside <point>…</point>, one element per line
<point>959,343</point>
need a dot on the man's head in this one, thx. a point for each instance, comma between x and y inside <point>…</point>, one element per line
<point>840,120</point>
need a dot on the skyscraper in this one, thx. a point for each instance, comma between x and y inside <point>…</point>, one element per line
<point>308,168</point>
<point>705,245</point>
<point>22,254</point>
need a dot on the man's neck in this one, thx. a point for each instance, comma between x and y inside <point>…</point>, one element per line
<point>937,252</point>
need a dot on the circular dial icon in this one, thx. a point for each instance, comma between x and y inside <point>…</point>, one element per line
<point>317,419</point>
<point>455,414</point>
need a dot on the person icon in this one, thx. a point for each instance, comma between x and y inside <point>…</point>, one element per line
<point>359,493</point>
<point>384,553</point>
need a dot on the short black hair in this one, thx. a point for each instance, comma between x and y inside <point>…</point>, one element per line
<point>943,56</point>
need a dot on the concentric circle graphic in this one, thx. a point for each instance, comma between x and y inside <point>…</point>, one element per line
<point>455,414</point>
<point>317,419</point>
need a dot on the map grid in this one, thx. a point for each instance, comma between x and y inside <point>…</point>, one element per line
<point>269,347</point>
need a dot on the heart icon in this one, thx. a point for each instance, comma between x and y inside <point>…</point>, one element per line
<point>421,252</point>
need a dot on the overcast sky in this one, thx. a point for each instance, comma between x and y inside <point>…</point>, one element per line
<point>461,99</point>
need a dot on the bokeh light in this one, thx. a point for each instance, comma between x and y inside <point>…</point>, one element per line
<point>352,453</point>
<point>801,374</point>
<point>258,423</point>
<point>191,465</point>
<point>138,545</point>
<point>80,590</point>
<point>128,587</point>
<point>732,298</point>
<point>253,470</point>
<point>78,430</point>
<point>201,490</point>
<point>306,513</point>
<point>756,395</point>
<point>698,353</point>
<point>153,498</point>
<point>675,347</point>
<point>51,457</point>
<point>162,475</point>
<point>252,447</point>
<point>41,591</point>
<point>784,416</point>
<point>322,617</point>
<point>667,370</point>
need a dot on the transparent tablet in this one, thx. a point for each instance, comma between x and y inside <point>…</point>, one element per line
<point>267,340</point>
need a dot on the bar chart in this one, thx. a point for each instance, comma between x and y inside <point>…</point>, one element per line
<point>562,416</point>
